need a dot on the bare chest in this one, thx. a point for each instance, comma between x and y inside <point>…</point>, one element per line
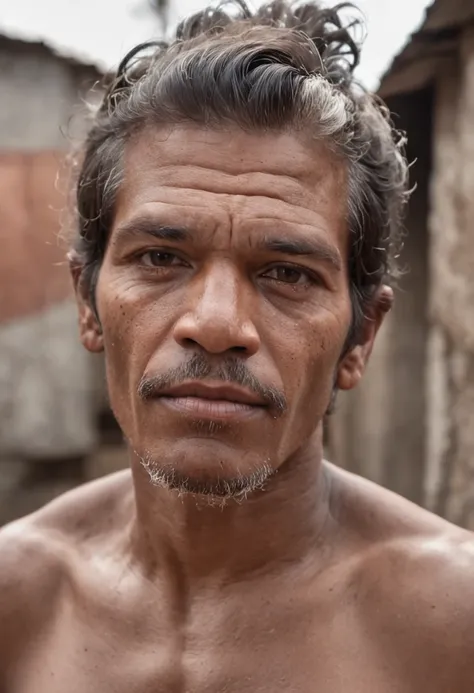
<point>233,667</point>
<point>263,645</point>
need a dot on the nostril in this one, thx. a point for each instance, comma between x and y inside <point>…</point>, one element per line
<point>239,349</point>
<point>216,335</point>
<point>188,341</point>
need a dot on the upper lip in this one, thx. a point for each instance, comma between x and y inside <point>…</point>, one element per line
<point>230,393</point>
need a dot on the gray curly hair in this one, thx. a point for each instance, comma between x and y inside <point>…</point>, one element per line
<point>284,65</point>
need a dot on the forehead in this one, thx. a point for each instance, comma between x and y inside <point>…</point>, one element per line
<point>209,175</point>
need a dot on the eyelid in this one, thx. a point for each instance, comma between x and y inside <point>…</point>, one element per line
<point>160,251</point>
<point>309,272</point>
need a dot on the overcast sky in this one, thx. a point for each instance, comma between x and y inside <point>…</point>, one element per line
<point>102,30</point>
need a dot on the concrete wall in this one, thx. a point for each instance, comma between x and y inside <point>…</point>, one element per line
<point>40,106</point>
<point>410,425</point>
<point>45,376</point>
<point>378,430</point>
<point>46,387</point>
<point>37,93</point>
<point>450,469</point>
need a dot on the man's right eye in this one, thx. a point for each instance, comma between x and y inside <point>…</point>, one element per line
<point>160,258</point>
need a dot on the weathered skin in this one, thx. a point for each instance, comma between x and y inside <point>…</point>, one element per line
<point>382,603</point>
<point>319,582</point>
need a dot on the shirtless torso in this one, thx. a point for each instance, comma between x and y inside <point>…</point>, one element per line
<point>391,611</point>
<point>239,204</point>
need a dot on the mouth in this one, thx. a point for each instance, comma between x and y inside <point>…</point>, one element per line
<point>219,402</point>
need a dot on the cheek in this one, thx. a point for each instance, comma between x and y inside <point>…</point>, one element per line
<point>119,358</point>
<point>312,366</point>
<point>123,334</point>
<point>310,377</point>
<point>136,325</point>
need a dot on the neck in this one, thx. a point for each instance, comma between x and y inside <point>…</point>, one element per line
<point>280,525</point>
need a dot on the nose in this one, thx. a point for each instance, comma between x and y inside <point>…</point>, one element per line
<point>219,317</point>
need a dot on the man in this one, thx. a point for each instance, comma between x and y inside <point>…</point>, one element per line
<point>239,207</point>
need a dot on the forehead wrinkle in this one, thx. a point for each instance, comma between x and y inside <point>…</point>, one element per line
<point>276,209</point>
<point>314,190</point>
<point>167,214</point>
<point>271,187</point>
<point>278,226</point>
<point>309,177</point>
<point>274,150</point>
<point>286,218</point>
<point>230,219</point>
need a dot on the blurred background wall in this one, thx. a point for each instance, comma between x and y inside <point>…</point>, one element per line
<point>409,426</point>
<point>52,391</point>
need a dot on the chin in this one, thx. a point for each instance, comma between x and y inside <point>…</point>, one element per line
<point>207,468</point>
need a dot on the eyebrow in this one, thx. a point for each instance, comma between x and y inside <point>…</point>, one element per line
<point>309,247</point>
<point>148,227</point>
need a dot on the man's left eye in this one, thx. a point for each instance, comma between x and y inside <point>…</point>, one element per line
<point>288,275</point>
<point>159,258</point>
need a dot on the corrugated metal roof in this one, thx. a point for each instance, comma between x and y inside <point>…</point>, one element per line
<point>437,39</point>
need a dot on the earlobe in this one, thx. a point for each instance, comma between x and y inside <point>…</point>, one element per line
<point>90,330</point>
<point>351,369</point>
<point>352,365</point>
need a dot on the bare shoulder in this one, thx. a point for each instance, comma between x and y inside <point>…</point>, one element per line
<point>419,601</point>
<point>37,552</point>
<point>415,583</point>
<point>405,541</point>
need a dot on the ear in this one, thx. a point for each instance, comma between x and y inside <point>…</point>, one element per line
<point>353,364</point>
<point>90,330</point>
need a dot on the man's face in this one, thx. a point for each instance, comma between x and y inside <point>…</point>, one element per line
<point>224,302</point>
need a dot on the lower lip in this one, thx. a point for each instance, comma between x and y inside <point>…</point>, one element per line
<point>211,409</point>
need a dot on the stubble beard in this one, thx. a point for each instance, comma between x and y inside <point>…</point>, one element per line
<point>214,490</point>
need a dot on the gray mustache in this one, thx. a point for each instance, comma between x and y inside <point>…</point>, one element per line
<point>199,368</point>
